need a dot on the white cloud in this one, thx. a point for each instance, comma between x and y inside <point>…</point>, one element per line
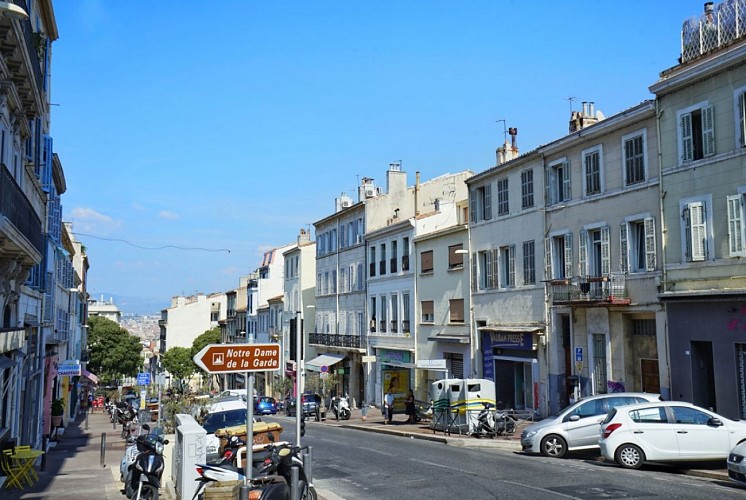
<point>169,215</point>
<point>87,220</point>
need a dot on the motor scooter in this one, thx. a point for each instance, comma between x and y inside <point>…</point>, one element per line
<point>144,478</point>
<point>491,422</point>
<point>131,451</point>
<point>341,407</point>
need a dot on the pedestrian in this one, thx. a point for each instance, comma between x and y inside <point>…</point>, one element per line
<point>388,407</point>
<point>409,408</point>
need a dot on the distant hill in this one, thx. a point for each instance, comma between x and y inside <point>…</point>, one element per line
<point>134,305</point>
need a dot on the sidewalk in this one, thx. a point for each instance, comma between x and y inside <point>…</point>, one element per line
<point>72,466</point>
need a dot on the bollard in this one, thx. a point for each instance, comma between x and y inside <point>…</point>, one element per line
<point>86,420</point>
<point>244,492</point>
<point>307,458</point>
<point>103,450</point>
<point>294,480</point>
<point>44,441</point>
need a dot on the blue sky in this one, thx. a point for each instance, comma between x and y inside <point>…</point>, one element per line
<point>231,125</point>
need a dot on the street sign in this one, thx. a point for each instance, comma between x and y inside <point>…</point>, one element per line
<point>369,359</point>
<point>324,369</point>
<point>431,364</point>
<point>143,378</point>
<point>578,354</point>
<point>69,369</point>
<point>238,358</point>
<point>324,375</point>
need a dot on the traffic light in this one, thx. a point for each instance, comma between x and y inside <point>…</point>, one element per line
<point>303,426</point>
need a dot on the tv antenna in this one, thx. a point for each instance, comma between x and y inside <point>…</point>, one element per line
<point>505,131</point>
<point>570,100</point>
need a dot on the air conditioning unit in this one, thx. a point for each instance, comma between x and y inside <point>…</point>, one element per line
<point>346,203</point>
<point>370,191</point>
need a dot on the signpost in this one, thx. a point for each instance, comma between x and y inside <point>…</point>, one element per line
<point>143,378</point>
<point>246,359</point>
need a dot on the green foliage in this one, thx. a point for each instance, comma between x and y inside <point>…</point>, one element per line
<point>114,352</point>
<point>209,337</point>
<point>178,362</point>
<point>58,407</point>
<point>320,385</point>
<point>282,386</point>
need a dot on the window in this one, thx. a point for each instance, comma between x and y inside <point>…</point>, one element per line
<point>394,256</point>
<point>394,313</point>
<point>558,182</point>
<point>637,242</point>
<point>427,311</point>
<point>633,146</point>
<point>372,261</point>
<point>529,263</point>
<point>507,266</point>
<point>359,276</point>
<point>488,262</point>
<point>594,252</point>
<point>655,415</point>
<point>382,263</point>
<point>694,219</point>
<point>405,313</point>
<point>592,169</point>
<point>318,284</point>
<point>455,258</point>
<point>690,416</point>
<point>384,315</point>
<point>599,363</point>
<point>426,262</point>
<point>405,254</point>
<point>696,132</point>
<point>373,314</point>
<point>334,281</point>
<point>558,251</point>
<point>740,99</point>
<point>480,203</point>
<point>527,189</point>
<point>456,310</point>
<point>503,207</point>
<point>735,226</point>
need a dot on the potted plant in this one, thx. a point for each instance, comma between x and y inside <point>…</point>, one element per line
<point>58,409</point>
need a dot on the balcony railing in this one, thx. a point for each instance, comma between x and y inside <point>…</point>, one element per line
<point>372,269</point>
<point>392,265</point>
<point>332,340</point>
<point>717,27</point>
<point>382,267</point>
<point>405,262</point>
<point>18,210</point>
<point>394,326</point>
<point>382,326</point>
<point>590,289</point>
<point>405,326</point>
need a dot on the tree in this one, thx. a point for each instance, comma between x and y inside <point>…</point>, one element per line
<point>178,362</point>
<point>211,336</point>
<point>114,352</point>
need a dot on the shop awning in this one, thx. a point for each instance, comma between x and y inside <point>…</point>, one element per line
<point>512,328</point>
<point>454,338</point>
<point>324,360</point>
<point>90,376</point>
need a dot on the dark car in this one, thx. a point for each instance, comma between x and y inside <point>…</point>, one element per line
<point>265,405</point>
<point>311,406</point>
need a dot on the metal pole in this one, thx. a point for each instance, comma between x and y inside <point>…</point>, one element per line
<point>160,384</point>
<point>294,480</point>
<point>298,378</point>
<point>86,419</point>
<point>103,450</point>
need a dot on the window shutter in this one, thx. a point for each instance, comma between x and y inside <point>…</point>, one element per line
<point>687,142</point>
<point>650,251</point>
<point>474,276</point>
<point>495,266</point>
<point>605,251</point>
<point>708,131</point>
<point>742,118</point>
<point>623,249</point>
<point>566,191</point>
<point>487,202</point>
<point>547,258</point>
<point>487,270</point>
<point>511,265</point>
<point>583,252</point>
<point>568,255</point>
<point>472,205</point>
<point>698,231</point>
<point>548,186</point>
<point>735,226</point>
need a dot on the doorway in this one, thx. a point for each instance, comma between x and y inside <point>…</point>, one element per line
<point>703,375</point>
<point>649,374</point>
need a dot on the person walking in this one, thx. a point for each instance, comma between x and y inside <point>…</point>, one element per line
<point>409,408</point>
<point>388,407</point>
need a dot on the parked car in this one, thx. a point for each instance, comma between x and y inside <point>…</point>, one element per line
<point>667,431</point>
<point>219,416</point>
<point>265,405</point>
<point>576,427</point>
<point>311,406</point>
<point>737,464</point>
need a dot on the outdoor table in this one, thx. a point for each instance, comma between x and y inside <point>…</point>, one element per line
<point>26,458</point>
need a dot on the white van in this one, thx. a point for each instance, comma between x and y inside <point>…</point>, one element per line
<point>220,415</point>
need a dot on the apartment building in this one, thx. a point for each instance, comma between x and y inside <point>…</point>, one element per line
<point>702,140</point>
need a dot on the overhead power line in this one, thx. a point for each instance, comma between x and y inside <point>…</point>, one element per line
<point>162,247</point>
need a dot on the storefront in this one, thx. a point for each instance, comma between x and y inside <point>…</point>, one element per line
<point>510,359</point>
<point>395,372</point>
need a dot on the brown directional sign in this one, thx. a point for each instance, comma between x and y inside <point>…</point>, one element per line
<point>238,358</point>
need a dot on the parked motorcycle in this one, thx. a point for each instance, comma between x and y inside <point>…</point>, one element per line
<point>491,422</point>
<point>341,407</point>
<point>131,451</point>
<point>144,478</point>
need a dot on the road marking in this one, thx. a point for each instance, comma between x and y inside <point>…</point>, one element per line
<point>544,490</point>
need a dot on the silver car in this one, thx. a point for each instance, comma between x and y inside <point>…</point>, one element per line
<point>577,426</point>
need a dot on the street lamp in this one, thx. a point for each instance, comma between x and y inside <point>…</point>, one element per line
<point>12,11</point>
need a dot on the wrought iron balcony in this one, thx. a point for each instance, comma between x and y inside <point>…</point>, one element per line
<point>332,340</point>
<point>405,262</point>
<point>15,207</point>
<point>591,290</point>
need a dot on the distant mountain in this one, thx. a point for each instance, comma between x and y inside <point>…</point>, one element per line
<point>133,305</point>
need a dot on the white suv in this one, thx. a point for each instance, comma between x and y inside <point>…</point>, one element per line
<point>577,426</point>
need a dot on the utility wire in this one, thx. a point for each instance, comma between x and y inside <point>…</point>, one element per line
<point>154,248</point>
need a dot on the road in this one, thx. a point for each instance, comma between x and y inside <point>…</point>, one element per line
<point>357,464</point>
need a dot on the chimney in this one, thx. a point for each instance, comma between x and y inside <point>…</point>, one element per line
<point>304,237</point>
